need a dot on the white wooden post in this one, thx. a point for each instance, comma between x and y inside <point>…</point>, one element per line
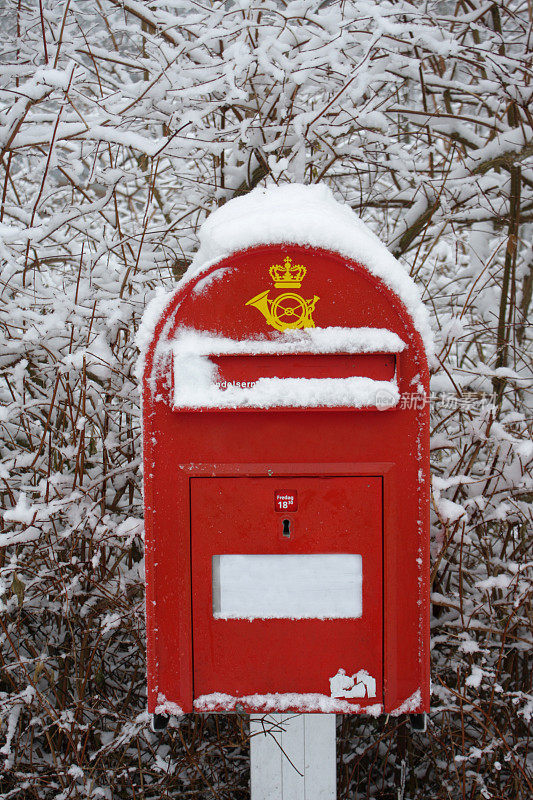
<point>293,757</point>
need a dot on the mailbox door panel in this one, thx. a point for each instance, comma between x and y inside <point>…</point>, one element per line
<point>287,585</point>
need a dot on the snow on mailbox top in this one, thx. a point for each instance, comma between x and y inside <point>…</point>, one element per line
<point>290,214</point>
<point>308,216</point>
<point>242,296</point>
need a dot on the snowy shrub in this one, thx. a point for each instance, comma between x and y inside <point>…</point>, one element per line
<point>124,123</point>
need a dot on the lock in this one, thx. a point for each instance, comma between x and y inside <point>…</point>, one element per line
<point>286,528</point>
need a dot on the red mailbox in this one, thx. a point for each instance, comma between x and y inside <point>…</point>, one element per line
<point>286,474</point>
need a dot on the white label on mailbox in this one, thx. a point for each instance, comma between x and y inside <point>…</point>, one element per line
<point>275,586</point>
<point>359,685</point>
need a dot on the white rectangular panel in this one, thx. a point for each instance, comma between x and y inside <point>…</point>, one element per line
<point>292,757</point>
<point>276,586</point>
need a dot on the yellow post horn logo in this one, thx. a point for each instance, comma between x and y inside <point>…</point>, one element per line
<point>290,309</point>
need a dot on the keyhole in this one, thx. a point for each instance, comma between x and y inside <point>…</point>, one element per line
<point>287,528</point>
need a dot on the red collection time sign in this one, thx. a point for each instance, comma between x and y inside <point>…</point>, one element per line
<point>286,501</point>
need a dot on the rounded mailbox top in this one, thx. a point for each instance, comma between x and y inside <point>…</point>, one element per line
<point>286,269</point>
<point>308,216</point>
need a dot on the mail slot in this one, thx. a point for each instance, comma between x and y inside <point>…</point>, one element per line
<point>286,487</point>
<point>233,371</point>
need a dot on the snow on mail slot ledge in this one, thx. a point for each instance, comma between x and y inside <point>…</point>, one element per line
<point>308,340</point>
<point>198,382</point>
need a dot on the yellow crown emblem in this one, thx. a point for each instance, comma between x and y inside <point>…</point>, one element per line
<point>288,274</point>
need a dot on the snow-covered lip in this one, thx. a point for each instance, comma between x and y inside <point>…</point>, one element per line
<point>278,703</point>
<point>311,340</point>
<point>198,384</point>
<point>355,392</point>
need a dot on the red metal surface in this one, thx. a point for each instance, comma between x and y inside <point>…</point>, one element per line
<point>240,658</point>
<point>181,447</point>
<point>379,366</point>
